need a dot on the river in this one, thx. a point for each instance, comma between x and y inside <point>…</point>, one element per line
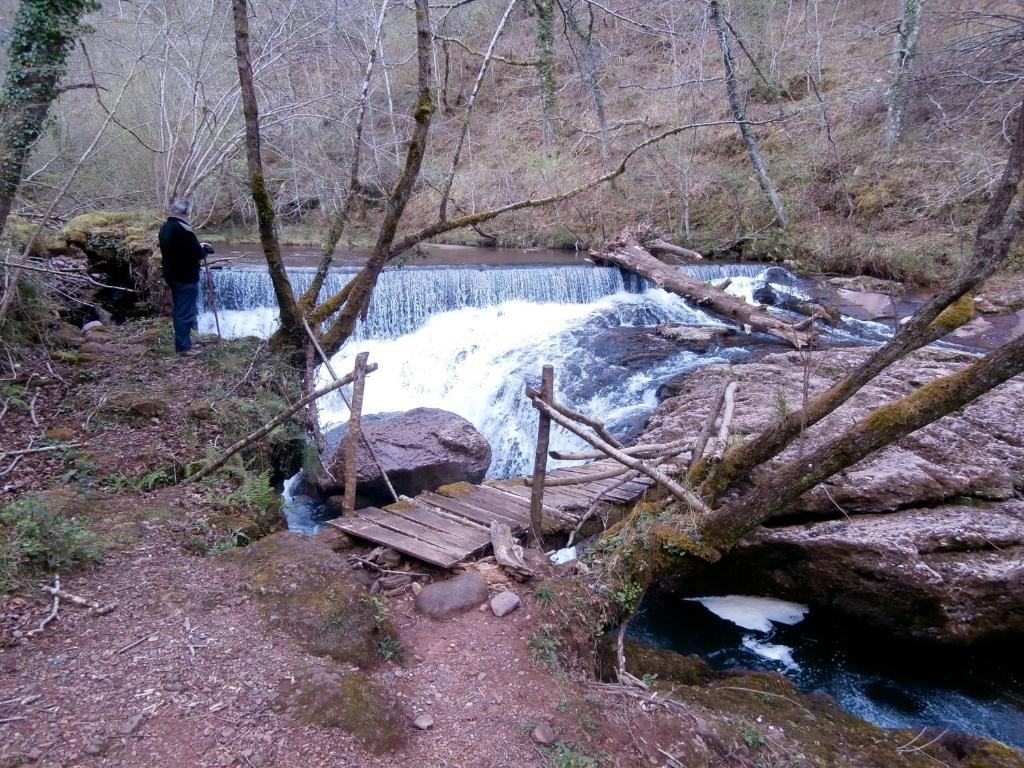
<point>451,332</point>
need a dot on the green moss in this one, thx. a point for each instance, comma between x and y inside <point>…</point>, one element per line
<point>455,490</point>
<point>305,588</point>
<point>350,702</point>
<point>955,315</point>
<point>20,230</point>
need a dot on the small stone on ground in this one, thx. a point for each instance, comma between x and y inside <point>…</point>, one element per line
<point>544,734</point>
<point>504,603</point>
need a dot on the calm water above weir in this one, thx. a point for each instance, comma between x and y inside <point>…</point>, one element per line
<point>468,338</point>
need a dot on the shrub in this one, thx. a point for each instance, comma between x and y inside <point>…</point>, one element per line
<point>35,537</point>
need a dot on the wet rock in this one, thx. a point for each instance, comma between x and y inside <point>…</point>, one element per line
<point>765,295</point>
<point>504,603</point>
<point>865,305</point>
<point>312,591</point>
<point>446,599</point>
<point>921,562</point>
<point>953,574</point>
<point>697,338</point>
<point>350,702</point>
<point>544,734</point>
<point>420,450</point>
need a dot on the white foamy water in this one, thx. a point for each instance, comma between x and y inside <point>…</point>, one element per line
<point>757,613</point>
<point>781,654</point>
<point>477,362</point>
<point>469,340</point>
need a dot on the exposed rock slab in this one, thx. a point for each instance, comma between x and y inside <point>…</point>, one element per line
<point>925,538</point>
<point>420,450</point>
<point>953,574</point>
<point>977,451</point>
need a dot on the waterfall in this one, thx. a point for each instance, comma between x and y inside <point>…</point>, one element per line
<point>470,339</point>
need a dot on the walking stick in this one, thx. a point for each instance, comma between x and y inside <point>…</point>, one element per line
<point>213,298</point>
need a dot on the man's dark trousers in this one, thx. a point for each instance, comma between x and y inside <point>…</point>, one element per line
<point>183,296</point>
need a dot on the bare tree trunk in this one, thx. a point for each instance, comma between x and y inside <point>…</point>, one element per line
<point>291,316</point>
<point>358,291</point>
<point>733,89</point>
<point>340,222</point>
<point>907,34</point>
<point>592,75</point>
<point>42,36</point>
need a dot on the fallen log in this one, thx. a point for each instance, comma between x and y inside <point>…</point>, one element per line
<point>662,246</point>
<point>628,255</point>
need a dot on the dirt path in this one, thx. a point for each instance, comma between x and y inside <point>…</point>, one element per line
<point>201,686</point>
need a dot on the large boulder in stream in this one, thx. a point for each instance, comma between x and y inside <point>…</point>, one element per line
<point>420,450</point>
<point>924,538</point>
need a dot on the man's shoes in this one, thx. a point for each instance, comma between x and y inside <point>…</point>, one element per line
<point>191,352</point>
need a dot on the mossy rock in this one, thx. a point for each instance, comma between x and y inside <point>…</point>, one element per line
<point>124,232</point>
<point>350,702</point>
<point>122,247</point>
<point>304,588</point>
<point>644,660</point>
<point>46,243</point>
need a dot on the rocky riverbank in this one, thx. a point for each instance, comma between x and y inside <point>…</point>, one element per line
<point>924,539</point>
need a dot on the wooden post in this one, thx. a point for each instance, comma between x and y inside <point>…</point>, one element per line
<point>352,438</point>
<point>540,457</point>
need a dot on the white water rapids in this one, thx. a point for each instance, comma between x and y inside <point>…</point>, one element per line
<point>469,340</point>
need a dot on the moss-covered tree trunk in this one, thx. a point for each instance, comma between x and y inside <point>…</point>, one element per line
<point>291,317</point>
<point>545,41</point>
<point>657,541</point>
<point>43,34</point>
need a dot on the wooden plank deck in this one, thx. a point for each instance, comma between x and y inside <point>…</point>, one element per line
<point>444,528</point>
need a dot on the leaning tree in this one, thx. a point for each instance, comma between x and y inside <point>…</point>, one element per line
<point>733,492</point>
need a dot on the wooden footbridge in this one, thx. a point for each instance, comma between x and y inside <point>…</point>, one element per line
<point>446,527</point>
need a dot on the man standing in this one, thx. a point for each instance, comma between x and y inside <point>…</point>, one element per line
<point>181,253</point>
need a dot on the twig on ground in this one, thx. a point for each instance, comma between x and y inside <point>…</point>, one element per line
<point>53,611</point>
<point>140,641</point>
<point>381,569</point>
<point>100,609</point>
<point>41,449</point>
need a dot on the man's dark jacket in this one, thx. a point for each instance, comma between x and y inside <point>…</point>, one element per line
<point>180,252</point>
